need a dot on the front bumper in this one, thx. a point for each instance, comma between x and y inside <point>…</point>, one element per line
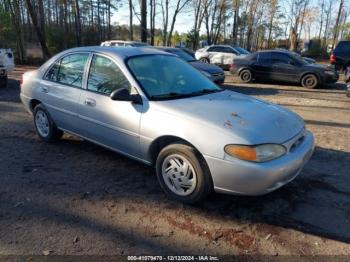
<point>331,78</point>
<point>234,176</point>
<point>218,78</point>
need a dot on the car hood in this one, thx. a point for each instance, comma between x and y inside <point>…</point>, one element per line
<point>211,69</point>
<point>245,118</point>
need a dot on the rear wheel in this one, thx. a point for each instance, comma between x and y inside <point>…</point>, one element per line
<point>204,60</point>
<point>246,76</point>
<point>3,81</point>
<point>183,173</point>
<point>309,81</point>
<point>44,125</point>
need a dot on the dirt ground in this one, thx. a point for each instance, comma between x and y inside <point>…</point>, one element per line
<point>77,198</point>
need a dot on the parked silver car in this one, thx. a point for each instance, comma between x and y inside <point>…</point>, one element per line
<point>154,107</point>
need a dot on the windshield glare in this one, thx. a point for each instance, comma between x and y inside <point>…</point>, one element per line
<point>165,76</point>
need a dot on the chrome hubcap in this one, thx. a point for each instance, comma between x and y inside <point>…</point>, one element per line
<point>179,175</point>
<point>310,81</point>
<point>42,123</point>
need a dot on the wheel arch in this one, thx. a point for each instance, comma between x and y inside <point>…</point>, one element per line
<point>244,68</point>
<point>159,143</point>
<point>33,103</point>
<point>310,73</point>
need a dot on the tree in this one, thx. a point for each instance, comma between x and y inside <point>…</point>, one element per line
<point>336,26</point>
<point>38,29</point>
<point>144,21</point>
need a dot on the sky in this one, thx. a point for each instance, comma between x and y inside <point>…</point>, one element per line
<point>184,20</point>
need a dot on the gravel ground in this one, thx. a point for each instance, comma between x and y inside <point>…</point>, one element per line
<point>74,197</point>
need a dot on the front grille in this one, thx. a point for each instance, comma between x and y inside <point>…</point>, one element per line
<point>297,143</point>
<point>219,74</point>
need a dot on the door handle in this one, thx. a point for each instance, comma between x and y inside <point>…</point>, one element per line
<point>44,89</point>
<point>90,102</point>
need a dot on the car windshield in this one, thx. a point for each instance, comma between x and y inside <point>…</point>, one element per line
<point>168,77</point>
<point>181,54</point>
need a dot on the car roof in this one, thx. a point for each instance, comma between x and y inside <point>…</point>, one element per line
<point>121,52</point>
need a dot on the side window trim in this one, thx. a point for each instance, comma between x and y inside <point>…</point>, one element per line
<point>59,60</point>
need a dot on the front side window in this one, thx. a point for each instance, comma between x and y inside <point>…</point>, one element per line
<point>228,50</point>
<point>105,76</point>
<point>165,77</point>
<point>280,58</point>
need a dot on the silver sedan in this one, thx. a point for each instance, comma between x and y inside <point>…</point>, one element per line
<point>155,108</point>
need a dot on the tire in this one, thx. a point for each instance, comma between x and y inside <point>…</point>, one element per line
<point>205,60</point>
<point>44,125</point>
<point>3,82</point>
<point>309,81</point>
<point>246,76</point>
<point>196,184</point>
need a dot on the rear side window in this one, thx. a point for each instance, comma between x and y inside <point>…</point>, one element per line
<point>105,76</point>
<point>265,57</point>
<point>69,70</point>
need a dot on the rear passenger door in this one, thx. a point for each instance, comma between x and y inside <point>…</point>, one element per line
<point>262,67</point>
<point>114,124</point>
<point>60,90</point>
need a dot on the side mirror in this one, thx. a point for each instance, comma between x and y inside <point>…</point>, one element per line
<point>123,94</point>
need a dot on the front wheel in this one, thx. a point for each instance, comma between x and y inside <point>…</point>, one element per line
<point>309,81</point>
<point>3,81</point>
<point>204,60</point>
<point>44,125</point>
<point>183,173</point>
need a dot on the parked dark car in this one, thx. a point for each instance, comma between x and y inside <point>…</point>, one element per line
<point>213,72</point>
<point>340,56</point>
<point>282,66</point>
<point>187,50</point>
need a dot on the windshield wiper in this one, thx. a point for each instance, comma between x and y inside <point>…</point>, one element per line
<point>171,94</point>
<point>181,95</point>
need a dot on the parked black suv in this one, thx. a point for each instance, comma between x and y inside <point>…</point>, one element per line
<point>340,56</point>
<point>281,66</point>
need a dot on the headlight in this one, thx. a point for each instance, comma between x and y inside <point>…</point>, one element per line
<point>259,153</point>
<point>205,73</point>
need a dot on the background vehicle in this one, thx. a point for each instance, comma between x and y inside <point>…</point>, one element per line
<point>221,55</point>
<point>7,64</point>
<point>340,56</point>
<point>154,107</point>
<point>124,43</point>
<point>213,72</point>
<point>347,80</point>
<point>282,66</point>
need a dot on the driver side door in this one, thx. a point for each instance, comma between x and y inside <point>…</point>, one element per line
<point>284,68</point>
<point>114,124</point>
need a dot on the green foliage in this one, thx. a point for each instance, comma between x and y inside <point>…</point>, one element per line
<point>7,32</point>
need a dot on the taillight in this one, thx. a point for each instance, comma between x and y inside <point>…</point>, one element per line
<point>333,58</point>
<point>232,66</point>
